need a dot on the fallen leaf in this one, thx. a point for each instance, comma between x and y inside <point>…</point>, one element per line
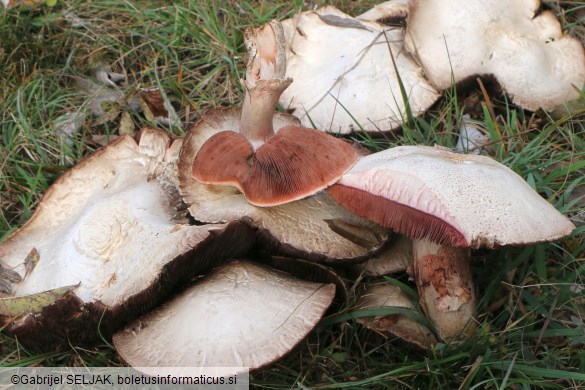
<point>32,304</point>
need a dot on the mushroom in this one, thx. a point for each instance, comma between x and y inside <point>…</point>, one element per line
<point>400,324</point>
<point>471,140</point>
<point>240,315</point>
<point>447,203</point>
<point>348,72</point>
<point>105,244</point>
<point>226,170</point>
<point>270,168</point>
<point>396,256</point>
<point>537,64</point>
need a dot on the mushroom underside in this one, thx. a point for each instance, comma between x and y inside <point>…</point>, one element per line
<point>525,49</point>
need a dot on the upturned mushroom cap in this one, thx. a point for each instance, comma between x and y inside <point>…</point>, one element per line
<point>316,227</point>
<point>104,238</point>
<point>240,315</point>
<point>537,64</point>
<point>449,198</point>
<point>292,165</point>
<point>386,296</point>
<point>343,73</point>
<point>271,166</point>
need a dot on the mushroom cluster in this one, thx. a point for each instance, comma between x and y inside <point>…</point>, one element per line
<point>106,243</point>
<point>113,235</point>
<point>349,73</point>
<point>362,74</point>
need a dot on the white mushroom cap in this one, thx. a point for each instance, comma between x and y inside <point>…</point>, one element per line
<point>537,64</point>
<point>314,227</point>
<point>100,223</point>
<point>343,73</point>
<point>240,315</point>
<point>449,198</point>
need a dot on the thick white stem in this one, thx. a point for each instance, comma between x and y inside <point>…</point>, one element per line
<point>264,81</point>
<point>443,278</point>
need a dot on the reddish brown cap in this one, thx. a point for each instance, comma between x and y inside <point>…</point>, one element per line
<point>313,228</point>
<point>294,164</point>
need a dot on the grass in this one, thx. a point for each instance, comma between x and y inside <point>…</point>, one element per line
<point>531,330</point>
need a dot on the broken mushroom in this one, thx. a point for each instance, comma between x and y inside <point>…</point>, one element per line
<point>227,169</point>
<point>106,244</point>
<point>447,203</point>
<point>534,61</point>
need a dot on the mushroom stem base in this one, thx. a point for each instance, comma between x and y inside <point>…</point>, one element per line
<point>443,278</point>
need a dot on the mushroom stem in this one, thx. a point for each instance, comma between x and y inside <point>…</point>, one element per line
<point>443,278</point>
<point>264,81</point>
